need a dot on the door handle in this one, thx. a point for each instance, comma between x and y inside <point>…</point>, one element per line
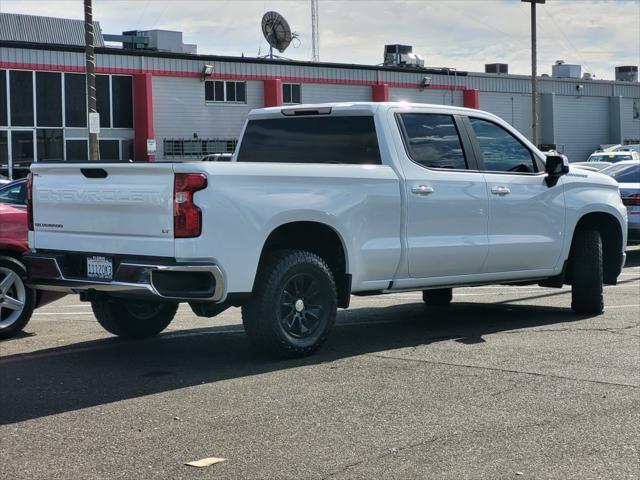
<point>422,190</point>
<point>500,190</point>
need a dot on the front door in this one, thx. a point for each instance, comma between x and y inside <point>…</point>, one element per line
<point>526,217</point>
<point>447,215</point>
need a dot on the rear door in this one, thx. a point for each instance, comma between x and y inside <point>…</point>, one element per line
<point>447,214</point>
<point>526,217</point>
<point>122,208</point>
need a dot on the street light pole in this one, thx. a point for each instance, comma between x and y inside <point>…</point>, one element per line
<point>534,71</point>
<point>90,62</point>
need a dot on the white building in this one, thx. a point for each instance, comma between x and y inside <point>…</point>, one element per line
<point>147,93</point>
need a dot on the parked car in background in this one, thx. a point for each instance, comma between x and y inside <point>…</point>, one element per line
<point>217,157</point>
<point>601,160</point>
<point>4,179</point>
<point>17,301</point>
<point>627,174</point>
<point>14,193</point>
<point>587,167</point>
<point>634,147</point>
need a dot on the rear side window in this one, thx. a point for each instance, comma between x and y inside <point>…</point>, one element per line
<point>501,151</point>
<point>432,140</point>
<point>349,140</point>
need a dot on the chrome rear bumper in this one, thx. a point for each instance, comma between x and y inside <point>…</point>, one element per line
<point>178,281</point>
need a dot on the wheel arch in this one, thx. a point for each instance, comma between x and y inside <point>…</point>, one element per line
<point>612,235</point>
<point>319,238</point>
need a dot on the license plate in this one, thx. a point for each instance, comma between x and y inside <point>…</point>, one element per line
<point>100,268</point>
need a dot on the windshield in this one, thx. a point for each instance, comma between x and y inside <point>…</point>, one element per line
<point>624,173</point>
<point>609,158</point>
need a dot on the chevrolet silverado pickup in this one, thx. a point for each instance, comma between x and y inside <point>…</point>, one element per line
<point>318,203</point>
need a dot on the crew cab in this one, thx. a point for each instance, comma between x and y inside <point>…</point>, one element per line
<point>321,202</point>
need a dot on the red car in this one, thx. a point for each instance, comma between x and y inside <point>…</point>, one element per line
<point>17,301</point>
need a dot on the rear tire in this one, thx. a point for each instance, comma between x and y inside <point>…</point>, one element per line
<point>438,298</point>
<point>133,319</point>
<point>293,305</point>
<point>586,273</point>
<point>16,300</point>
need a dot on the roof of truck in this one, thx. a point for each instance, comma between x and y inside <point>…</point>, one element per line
<point>353,108</point>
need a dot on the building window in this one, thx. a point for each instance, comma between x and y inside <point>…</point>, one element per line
<point>225,91</point>
<point>49,99</point>
<point>21,88</point>
<point>109,149</point>
<point>77,150</point>
<point>197,147</point>
<point>49,144</point>
<point>75,100</point>
<point>126,148</point>
<point>103,100</point>
<point>122,101</point>
<point>21,152</point>
<point>4,116</point>
<point>291,93</point>
<point>4,153</point>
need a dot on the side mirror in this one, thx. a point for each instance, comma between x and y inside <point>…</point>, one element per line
<point>556,166</point>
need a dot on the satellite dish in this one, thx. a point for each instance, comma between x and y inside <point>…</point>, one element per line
<point>277,31</point>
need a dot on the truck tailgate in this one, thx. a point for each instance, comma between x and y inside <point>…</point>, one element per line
<point>118,208</point>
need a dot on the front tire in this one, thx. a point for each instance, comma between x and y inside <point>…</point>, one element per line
<point>586,273</point>
<point>293,305</point>
<point>441,297</point>
<point>17,301</point>
<point>133,319</point>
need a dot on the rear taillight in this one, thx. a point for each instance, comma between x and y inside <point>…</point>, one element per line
<point>30,200</point>
<point>187,217</point>
<point>632,200</point>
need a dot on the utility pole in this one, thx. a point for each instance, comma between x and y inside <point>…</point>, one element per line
<point>534,71</point>
<point>90,61</point>
<point>315,36</point>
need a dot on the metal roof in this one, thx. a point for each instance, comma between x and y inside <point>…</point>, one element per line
<point>45,30</point>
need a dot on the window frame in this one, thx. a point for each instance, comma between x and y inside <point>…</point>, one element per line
<point>225,90</point>
<point>113,103</point>
<point>467,148</point>
<point>291,85</point>
<point>535,160</point>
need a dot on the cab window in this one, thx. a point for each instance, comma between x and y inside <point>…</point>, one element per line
<point>501,151</point>
<point>432,140</point>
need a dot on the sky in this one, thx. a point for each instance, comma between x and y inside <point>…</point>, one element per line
<point>461,34</point>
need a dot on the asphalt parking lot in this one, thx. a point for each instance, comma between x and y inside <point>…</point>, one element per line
<point>506,383</point>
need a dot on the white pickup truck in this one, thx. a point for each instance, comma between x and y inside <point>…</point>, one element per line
<point>321,202</point>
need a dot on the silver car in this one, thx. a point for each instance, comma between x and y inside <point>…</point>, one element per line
<point>602,160</point>
<point>627,174</point>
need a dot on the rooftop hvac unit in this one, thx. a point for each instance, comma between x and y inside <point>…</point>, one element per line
<point>501,68</point>
<point>564,70</point>
<point>627,73</point>
<point>401,56</point>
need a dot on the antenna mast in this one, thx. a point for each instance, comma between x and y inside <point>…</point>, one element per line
<point>315,39</point>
